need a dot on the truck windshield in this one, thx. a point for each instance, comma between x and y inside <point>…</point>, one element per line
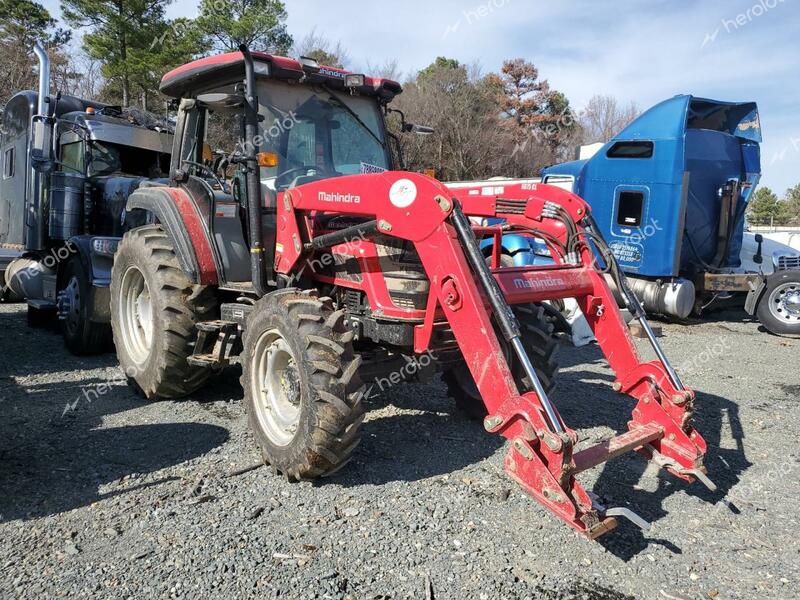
<point>114,159</point>
<point>319,133</point>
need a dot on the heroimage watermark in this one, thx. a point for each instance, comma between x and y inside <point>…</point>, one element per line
<point>474,14</point>
<point>742,19</point>
<point>412,368</point>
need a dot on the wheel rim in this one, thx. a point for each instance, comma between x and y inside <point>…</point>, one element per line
<point>276,388</point>
<point>784,303</point>
<point>69,305</point>
<point>136,315</point>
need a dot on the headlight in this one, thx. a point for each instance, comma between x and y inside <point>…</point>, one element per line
<point>105,246</point>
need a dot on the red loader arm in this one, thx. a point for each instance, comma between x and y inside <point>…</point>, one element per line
<point>474,301</point>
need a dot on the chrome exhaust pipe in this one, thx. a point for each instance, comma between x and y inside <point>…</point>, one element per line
<point>44,77</point>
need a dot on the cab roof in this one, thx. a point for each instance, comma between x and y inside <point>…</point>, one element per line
<point>207,73</point>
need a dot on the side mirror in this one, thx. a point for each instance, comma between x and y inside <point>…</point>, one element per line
<point>418,129</point>
<point>758,258</point>
<point>42,144</point>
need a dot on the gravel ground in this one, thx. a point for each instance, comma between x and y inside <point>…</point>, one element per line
<point>102,494</point>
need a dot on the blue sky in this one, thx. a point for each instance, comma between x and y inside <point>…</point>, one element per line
<point>640,50</point>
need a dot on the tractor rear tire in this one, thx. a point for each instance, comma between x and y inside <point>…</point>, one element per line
<point>537,337</point>
<point>301,384</point>
<point>154,311</point>
<point>82,336</point>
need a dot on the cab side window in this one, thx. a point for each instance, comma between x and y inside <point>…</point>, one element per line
<point>632,149</point>
<point>8,164</point>
<point>72,157</point>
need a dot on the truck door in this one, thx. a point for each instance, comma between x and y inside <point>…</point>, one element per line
<point>636,190</point>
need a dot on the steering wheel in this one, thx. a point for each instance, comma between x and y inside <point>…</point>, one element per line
<point>208,171</point>
<point>294,172</point>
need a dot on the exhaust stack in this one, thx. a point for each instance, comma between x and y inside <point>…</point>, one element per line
<point>44,77</point>
<point>40,155</point>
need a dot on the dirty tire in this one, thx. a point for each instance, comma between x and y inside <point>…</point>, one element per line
<point>82,336</point>
<point>312,425</point>
<point>155,364</point>
<point>541,346</point>
<point>773,311</point>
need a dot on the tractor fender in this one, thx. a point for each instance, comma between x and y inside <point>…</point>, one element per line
<point>175,210</point>
<point>754,296</point>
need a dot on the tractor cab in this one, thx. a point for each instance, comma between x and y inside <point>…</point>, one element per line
<point>309,123</point>
<point>313,122</point>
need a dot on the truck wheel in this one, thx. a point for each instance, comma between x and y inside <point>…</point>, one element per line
<point>301,384</point>
<point>154,310</point>
<point>81,335</point>
<point>779,307</point>
<point>541,346</point>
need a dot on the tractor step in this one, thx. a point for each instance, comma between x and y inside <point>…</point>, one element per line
<point>213,326</point>
<point>216,341</point>
<point>203,360</point>
<point>635,438</point>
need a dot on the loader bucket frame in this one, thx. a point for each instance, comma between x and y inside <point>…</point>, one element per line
<point>472,300</point>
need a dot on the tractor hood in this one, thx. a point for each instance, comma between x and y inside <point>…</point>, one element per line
<point>215,71</point>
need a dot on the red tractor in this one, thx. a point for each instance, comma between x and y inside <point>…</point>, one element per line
<point>287,237</point>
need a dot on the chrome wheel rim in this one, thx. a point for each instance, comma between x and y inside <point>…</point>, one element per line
<point>136,315</point>
<point>276,388</point>
<point>784,303</point>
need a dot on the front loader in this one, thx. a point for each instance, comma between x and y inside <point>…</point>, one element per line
<point>288,237</point>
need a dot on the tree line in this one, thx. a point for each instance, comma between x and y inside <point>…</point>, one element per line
<point>511,123</point>
<point>767,209</point>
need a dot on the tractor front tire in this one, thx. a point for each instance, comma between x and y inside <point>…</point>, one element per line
<point>154,311</point>
<point>301,384</point>
<point>537,338</point>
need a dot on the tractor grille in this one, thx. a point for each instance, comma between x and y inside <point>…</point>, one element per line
<point>789,262</point>
<point>403,274</point>
<point>511,207</point>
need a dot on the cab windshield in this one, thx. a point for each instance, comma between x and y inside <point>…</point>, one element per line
<point>318,133</point>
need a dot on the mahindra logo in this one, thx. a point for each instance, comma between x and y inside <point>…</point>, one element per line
<point>539,284</point>
<point>339,198</point>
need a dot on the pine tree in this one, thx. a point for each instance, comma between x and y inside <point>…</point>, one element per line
<point>763,207</point>
<point>22,23</point>
<point>121,35</point>
<point>259,24</point>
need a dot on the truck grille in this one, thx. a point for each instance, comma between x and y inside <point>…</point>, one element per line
<point>788,262</point>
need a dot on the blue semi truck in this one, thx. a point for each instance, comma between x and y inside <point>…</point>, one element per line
<point>669,193</point>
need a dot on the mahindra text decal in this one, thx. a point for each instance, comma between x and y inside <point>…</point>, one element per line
<point>338,198</point>
<point>546,283</point>
<point>331,73</point>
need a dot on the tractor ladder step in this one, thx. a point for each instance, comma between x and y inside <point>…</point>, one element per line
<point>215,342</point>
<point>635,438</point>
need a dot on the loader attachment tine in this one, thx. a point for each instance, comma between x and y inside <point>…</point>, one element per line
<point>665,463</point>
<point>630,515</point>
